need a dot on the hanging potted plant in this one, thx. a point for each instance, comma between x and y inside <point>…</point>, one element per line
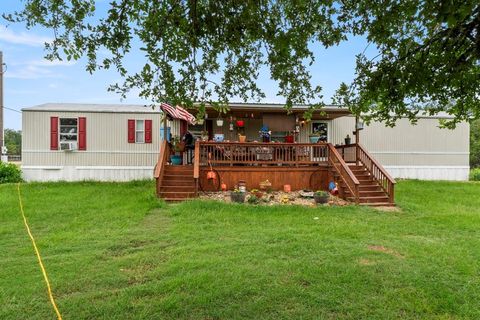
<point>321,196</point>
<point>219,121</point>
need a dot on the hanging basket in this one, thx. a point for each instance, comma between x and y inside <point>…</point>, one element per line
<point>219,122</point>
<point>240,123</point>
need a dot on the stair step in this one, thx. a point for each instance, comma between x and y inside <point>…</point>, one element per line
<point>177,183</point>
<point>361,174</point>
<point>355,170</point>
<point>176,195</point>
<point>363,183</point>
<point>356,167</point>
<point>364,178</point>
<point>182,177</point>
<point>176,188</point>
<point>363,193</point>
<point>370,199</point>
<point>179,169</point>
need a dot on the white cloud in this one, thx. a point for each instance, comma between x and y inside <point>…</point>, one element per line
<point>48,63</point>
<point>22,38</point>
<point>36,69</point>
<point>31,72</point>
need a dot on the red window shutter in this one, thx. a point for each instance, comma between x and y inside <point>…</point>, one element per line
<point>53,133</point>
<point>82,133</point>
<point>131,131</point>
<point>148,131</point>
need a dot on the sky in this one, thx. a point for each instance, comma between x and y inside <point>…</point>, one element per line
<point>31,80</point>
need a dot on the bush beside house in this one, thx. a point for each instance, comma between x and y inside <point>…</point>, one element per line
<point>10,173</point>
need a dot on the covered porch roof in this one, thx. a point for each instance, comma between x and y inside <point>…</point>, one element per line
<point>245,110</point>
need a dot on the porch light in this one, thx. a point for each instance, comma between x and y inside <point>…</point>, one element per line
<point>359,125</point>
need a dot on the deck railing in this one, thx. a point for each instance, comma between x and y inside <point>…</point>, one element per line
<point>347,176</point>
<point>348,152</point>
<point>264,154</point>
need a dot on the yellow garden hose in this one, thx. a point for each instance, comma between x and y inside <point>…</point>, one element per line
<point>44,272</point>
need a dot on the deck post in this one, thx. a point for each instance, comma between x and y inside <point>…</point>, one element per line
<point>357,140</point>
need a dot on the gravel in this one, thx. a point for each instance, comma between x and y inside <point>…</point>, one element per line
<point>275,198</point>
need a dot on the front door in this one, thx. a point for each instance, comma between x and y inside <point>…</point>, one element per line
<point>320,129</point>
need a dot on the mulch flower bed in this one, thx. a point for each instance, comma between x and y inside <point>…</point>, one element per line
<point>274,198</point>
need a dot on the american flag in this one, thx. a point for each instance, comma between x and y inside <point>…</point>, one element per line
<point>178,112</point>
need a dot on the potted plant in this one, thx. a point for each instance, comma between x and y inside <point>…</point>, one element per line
<point>347,140</point>
<point>257,193</point>
<point>204,135</point>
<point>314,137</point>
<point>237,196</point>
<point>265,185</point>
<point>253,199</point>
<point>321,196</point>
<point>176,158</point>
<point>242,138</point>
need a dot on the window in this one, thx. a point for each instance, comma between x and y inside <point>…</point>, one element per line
<point>140,131</point>
<point>68,129</point>
<point>321,128</point>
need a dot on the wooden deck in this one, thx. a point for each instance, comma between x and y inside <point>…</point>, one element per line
<point>362,180</point>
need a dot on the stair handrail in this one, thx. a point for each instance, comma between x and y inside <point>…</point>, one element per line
<point>344,171</point>
<point>162,160</point>
<point>377,171</point>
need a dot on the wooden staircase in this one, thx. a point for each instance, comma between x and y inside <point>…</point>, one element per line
<point>177,183</point>
<point>369,190</point>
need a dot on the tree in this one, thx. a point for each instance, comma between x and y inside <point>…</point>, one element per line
<point>13,141</point>
<point>475,144</point>
<point>428,51</point>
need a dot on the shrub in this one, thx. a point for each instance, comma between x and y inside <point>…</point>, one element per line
<point>9,172</point>
<point>475,174</point>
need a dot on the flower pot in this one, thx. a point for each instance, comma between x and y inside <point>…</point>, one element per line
<point>176,160</point>
<point>314,139</point>
<point>321,198</point>
<point>258,194</point>
<point>265,185</point>
<point>347,141</point>
<point>242,138</point>
<point>289,139</point>
<point>238,197</point>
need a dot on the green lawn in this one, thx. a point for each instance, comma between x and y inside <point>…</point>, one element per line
<point>113,251</point>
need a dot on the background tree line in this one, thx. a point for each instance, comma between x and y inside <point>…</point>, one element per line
<point>13,141</point>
